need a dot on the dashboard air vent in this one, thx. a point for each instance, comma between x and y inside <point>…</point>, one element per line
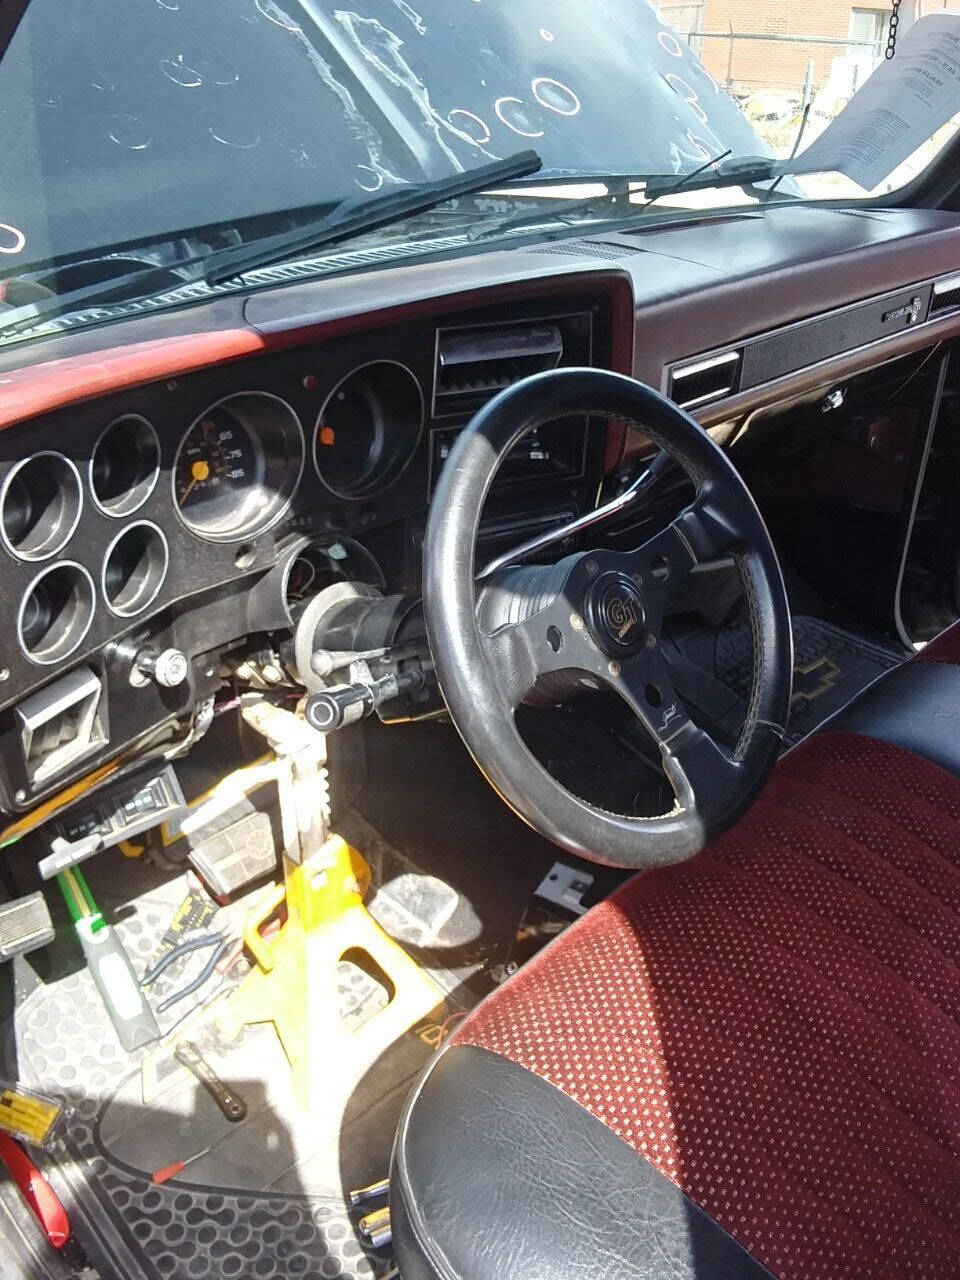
<point>474,364</point>
<point>946,295</point>
<point>695,383</point>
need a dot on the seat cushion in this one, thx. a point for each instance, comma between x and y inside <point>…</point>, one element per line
<point>915,705</point>
<point>773,1027</point>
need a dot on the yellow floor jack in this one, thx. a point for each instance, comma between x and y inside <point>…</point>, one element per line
<point>294,982</point>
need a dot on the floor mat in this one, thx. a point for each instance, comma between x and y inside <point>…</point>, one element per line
<point>831,666</point>
<point>267,1200</point>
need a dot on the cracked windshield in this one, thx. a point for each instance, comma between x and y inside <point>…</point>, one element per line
<point>159,151</point>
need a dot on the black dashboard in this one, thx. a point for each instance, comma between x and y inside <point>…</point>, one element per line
<point>186,514</point>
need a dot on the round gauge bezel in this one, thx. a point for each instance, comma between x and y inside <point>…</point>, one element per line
<point>156,584</point>
<point>282,487</point>
<point>134,498</point>
<point>82,631</point>
<point>66,528</point>
<point>384,475</point>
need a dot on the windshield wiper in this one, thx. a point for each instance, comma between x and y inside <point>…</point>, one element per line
<point>132,286</point>
<point>617,200</point>
<point>741,171</point>
<point>349,218</point>
<point>359,214</point>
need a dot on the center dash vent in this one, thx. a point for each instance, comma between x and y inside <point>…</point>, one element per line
<point>474,364</point>
<point>693,384</point>
<point>946,295</point>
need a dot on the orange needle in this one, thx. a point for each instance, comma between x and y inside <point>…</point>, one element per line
<point>199,472</point>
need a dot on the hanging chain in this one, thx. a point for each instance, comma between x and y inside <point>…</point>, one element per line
<point>892,31</point>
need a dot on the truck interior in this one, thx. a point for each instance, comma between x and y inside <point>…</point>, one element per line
<point>479,765</point>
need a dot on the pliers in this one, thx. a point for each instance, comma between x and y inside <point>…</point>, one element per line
<point>215,940</point>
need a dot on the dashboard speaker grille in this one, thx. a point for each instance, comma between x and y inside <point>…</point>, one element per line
<point>590,249</point>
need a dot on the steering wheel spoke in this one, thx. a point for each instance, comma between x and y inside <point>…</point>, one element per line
<point>708,530</point>
<point>519,653</point>
<point>644,683</point>
<point>704,778</point>
<point>531,625</point>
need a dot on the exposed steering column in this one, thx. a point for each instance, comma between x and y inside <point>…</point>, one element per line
<point>596,618</point>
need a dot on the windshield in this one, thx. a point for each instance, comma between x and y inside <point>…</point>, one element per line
<point>158,131</point>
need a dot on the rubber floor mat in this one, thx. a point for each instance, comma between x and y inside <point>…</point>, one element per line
<point>268,1199</point>
<point>831,666</point>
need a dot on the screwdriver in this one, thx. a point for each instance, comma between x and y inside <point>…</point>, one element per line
<point>160,1176</point>
<point>177,1166</point>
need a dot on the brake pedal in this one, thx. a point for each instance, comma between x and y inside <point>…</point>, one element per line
<point>25,925</point>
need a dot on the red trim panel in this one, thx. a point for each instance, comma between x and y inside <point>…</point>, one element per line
<point>39,388</point>
<point>775,1025</point>
<point>36,389</point>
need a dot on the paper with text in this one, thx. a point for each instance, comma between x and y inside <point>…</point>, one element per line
<point>903,103</point>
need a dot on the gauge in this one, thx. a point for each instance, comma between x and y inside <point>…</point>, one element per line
<point>368,429</point>
<point>237,466</point>
<point>219,469</point>
<point>320,564</point>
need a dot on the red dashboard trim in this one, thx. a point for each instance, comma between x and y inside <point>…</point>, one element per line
<point>36,389</point>
<point>40,388</point>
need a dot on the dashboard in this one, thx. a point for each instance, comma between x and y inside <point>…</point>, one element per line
<point>191,512</point>
<point>178,484</point>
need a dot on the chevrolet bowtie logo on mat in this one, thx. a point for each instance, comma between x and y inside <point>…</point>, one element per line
<point>815,678</point>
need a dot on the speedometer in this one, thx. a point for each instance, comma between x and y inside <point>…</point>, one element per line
<point>219,470</point>
<point>237,466</point>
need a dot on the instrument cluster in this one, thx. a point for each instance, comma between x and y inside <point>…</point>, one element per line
<point>107,522</point>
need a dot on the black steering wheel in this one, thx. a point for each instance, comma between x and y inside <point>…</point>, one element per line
<point>600,613</point>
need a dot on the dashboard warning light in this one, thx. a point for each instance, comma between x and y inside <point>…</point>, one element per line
<point>327,435</point>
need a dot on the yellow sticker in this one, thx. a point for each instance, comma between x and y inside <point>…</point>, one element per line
<point>27,1116</point>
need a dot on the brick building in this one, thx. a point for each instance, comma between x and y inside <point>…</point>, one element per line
<point>751,46</point>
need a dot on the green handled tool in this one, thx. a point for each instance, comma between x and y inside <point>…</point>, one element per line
<point>109,964</point>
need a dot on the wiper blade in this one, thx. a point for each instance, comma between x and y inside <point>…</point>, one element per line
<point>359,214</point>
<point>130,287</point>
<point>618,201</point>
<point>741,171</point>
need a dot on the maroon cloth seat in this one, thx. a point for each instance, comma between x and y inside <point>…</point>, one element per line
<point>773,1026</point>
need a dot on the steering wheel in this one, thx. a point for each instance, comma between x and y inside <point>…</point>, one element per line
<point>600,615</point>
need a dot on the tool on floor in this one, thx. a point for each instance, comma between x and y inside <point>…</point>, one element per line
<point>229,1102</point>
<point>215,940</point>
<point>363,1195</point>
<point>295,982</point>
<point>37,1192</point>
<point>160,1176</point>
<point>25,925</point>
<point>109,964</point>
<point>375,1228</point>
<point>29,1116</point>
<point>193,915</point>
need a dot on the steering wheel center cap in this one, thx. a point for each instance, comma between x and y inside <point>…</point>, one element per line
<point>615,614</point>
